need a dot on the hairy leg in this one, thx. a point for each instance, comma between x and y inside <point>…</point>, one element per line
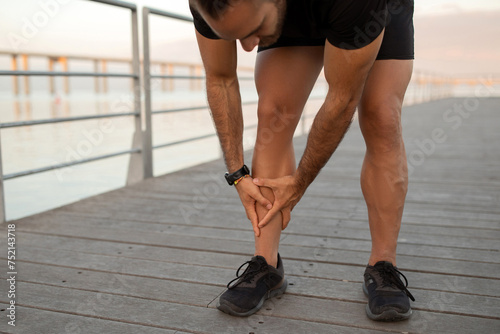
<point>384,176</point>
<point>284,79</point>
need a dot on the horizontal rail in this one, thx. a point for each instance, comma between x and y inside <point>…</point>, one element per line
<point>108,59</point>
<point>67,74</point>
<point>188,140</point>
<point>118,3</point>
<point>68,164</point>
<point>65,119</point>
<point>184,141</point>
<point>168,14</point>
<point>192,108</point>
<point>97,74</point>
<point>189,77</point>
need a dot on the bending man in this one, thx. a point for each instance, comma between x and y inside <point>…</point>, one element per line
<point>366,48</point>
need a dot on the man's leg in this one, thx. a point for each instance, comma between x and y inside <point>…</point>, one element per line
<point>384,176</point>
<point>384,181</point>
<point>284,79</point>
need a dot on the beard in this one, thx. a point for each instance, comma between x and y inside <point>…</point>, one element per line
<point>271,39</point>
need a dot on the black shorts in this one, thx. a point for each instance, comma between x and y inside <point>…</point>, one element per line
<point>398,42</point>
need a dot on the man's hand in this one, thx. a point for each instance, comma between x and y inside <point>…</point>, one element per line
<point>287,193</point>
<point>249,195</point>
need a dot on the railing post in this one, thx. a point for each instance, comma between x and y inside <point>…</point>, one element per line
<point>104,67</point>
<point>96,79</point>
<point>15,80</point>
<point>171,86</point>
<point>26,78</point>
<point>51,79</point>
<point>147,154</point>
<point>136,167</point>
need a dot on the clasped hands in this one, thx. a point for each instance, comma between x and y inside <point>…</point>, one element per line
<point>287,194</point>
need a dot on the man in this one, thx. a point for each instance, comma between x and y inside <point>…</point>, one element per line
<point>366,48</point>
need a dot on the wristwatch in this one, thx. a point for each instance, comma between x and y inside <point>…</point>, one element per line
<point>243,171</point>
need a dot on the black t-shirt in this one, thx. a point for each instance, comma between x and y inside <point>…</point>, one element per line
<point>347,24</point>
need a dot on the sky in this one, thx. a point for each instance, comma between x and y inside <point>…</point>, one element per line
<point>82,27</point>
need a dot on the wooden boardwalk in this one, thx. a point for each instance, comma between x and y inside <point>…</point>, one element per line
<point>152,258</point>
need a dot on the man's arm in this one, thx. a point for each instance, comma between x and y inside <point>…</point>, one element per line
<point>223,93</point>
<point>346,72</point>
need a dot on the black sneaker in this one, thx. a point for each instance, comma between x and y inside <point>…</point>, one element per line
<point>258,282</point>
<point>387,295</point>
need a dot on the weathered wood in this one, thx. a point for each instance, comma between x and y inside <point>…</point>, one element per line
<point>170,283</point>
<point>338,207</point>
<point>277,314</point>
<point>338,249</point>
<point>155,254</point>
<point>36,320</point>
<point>312,207</point>
<point>166,315</point>
<point>144,260</point>
<point>310,227</point>
<point>56,242</point>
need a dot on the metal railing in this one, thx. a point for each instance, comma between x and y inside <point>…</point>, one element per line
<point>136,77</point>
<point>142,140</point>
<point>100,64</point>
<point>141,153</point>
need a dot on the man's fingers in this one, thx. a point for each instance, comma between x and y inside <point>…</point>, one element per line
<point>263,182</point>
<point>270,215</point>
<point>254,219</point>
<point>262,200</point>
<point>286,217</point>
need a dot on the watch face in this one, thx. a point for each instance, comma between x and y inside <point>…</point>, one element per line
<point>245,169</point>
<point>228,179</point>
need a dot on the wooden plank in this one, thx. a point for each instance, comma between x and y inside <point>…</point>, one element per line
<point>171,182</point>
<point>311,207</point>
<point>358,229</point>
<point>171,286</point>
<point>349,229</point>
<point>430,193</point>
<point>328,187</point>
<point>338,208</point>
<point>335,234</point>
<point>145,260</point>
<point>277,315</point>
<point>210,239</point>
<point>199,208</point>
<point>348,218</point>
<point>349,189</point>
<point>166,315</point>
<point>34,320</point>
<point>421,322</point>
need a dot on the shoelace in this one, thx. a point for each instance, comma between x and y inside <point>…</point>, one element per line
<point>246,275</point>
<point>390,275</point>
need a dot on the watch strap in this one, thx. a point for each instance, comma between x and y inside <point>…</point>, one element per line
<point>231,178</point>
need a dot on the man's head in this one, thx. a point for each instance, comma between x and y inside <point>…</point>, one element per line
<point>253,22</point>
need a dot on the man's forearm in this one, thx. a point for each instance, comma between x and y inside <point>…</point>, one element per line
<point>225,104</point>
<point>328,129</point>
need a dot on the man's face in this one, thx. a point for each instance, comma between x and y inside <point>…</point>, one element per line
<point>253,22</point>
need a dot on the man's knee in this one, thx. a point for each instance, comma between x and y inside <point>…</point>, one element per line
<point>276,121</point>
<point>381,125</point>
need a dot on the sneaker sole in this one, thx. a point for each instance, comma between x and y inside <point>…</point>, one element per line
<point>389,315</point>
<point>273,293</point>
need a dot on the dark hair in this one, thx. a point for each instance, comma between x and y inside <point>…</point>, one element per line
<point>213,8</point>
